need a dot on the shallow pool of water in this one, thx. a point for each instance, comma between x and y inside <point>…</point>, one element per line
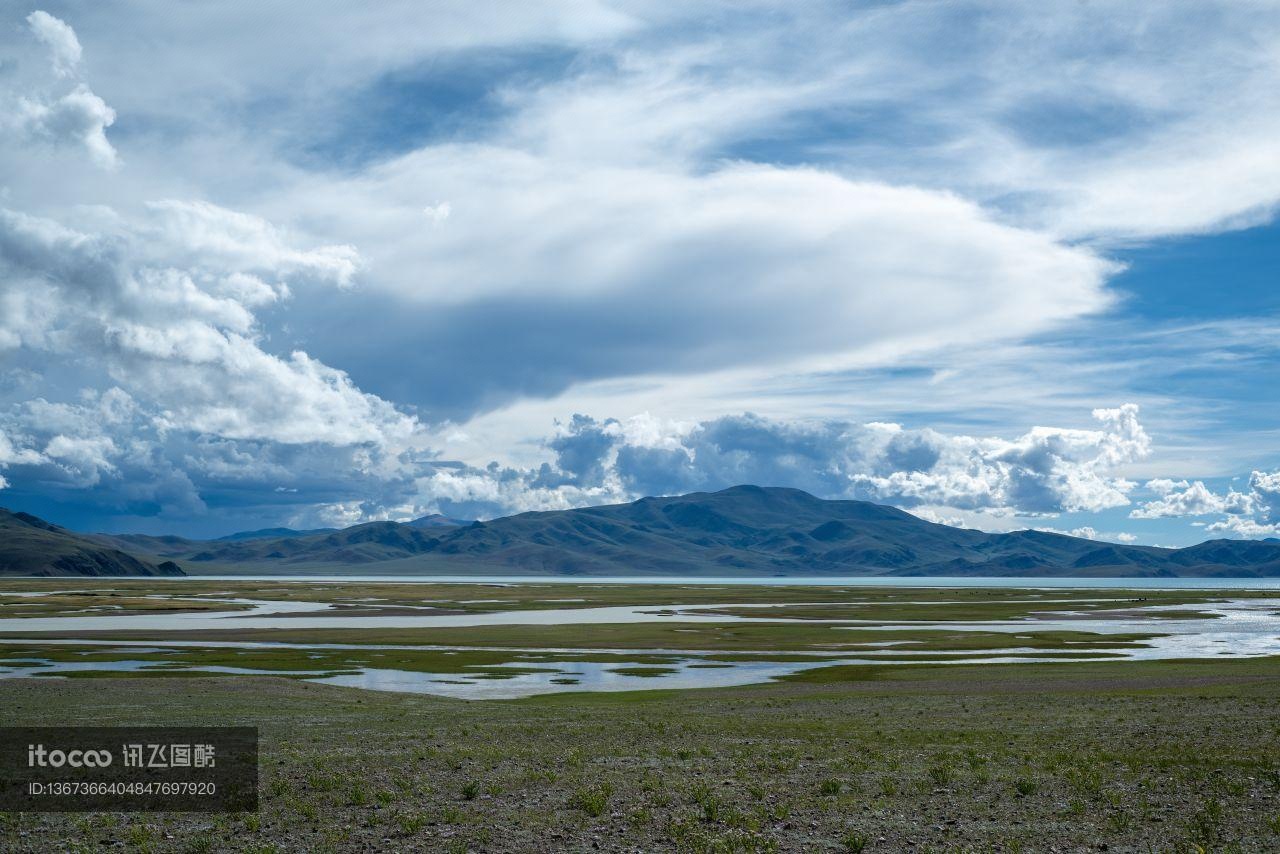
<point>569,677</point>
<point>525,679</point>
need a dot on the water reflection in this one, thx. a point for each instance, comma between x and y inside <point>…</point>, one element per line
<point>575,676</point>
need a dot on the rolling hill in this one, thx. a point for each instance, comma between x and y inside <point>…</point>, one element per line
<point>32,546</point>
<point>750,530</point>
<point>744,530</point>
<point>370,542</point>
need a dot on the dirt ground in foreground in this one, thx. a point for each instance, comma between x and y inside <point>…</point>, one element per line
<point>1119,756</point>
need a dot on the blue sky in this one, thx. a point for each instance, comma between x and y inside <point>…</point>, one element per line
<point>1004,266</point>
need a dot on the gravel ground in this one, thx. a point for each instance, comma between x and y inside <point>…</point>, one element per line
<point>1159,756</point>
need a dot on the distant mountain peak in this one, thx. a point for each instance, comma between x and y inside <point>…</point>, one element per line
<point>437,520</point>
<point>272,533</point>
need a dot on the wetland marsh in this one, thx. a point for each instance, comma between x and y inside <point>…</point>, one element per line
<point>505,640</point>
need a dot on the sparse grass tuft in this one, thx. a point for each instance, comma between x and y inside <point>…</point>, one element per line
<point>855,842</point>
<point>411,823</point>
<point>1204,827</point>
<point>592,800</point>
<point>941,774</point>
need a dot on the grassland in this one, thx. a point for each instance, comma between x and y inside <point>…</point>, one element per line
<point>1156,756</point>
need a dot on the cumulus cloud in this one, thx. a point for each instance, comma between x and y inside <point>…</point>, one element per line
<point>1253,513</point>
<point>119,454</point>
<point>1044,471</point>
<point>185,339</point>
<point>77,118</point>
<point>56,35</point>
<point>1089,532</point>
<point>11,455</point>
<point>69,443</point>
<point>1262,519</point>
<point>1180,498</point>
<point>1266,486</point>
<point>86,459</point>
<point>50,113</point>
<point>99,447</point>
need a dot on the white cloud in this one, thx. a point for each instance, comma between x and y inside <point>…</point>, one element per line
<point>1243,527</point>
<point>77,118</point>
<point>88,459</point>
<point>564,229</point>
<point>51,114</point>
<point>1255,513</point>
<point>11,455</point>
<point>437,214</point>
<point>1047,470</point>
<point>1163,486</point>
<point>56,35</point>
<point>655,270</point>
<point>196,232</point>
<point>1263,505</point>
<point>1043,472</point>
<point>204,46</point>
<point>185,339</point>
<point>339,514</point>
<point>1180,498</point>
<point>102,442</point>
<point>1088,532</point>
<point>1110,120</point>
<point>1266,486</point>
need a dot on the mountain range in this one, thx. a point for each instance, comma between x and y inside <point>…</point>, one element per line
<point>31,546</point>
<point>740,531</point>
